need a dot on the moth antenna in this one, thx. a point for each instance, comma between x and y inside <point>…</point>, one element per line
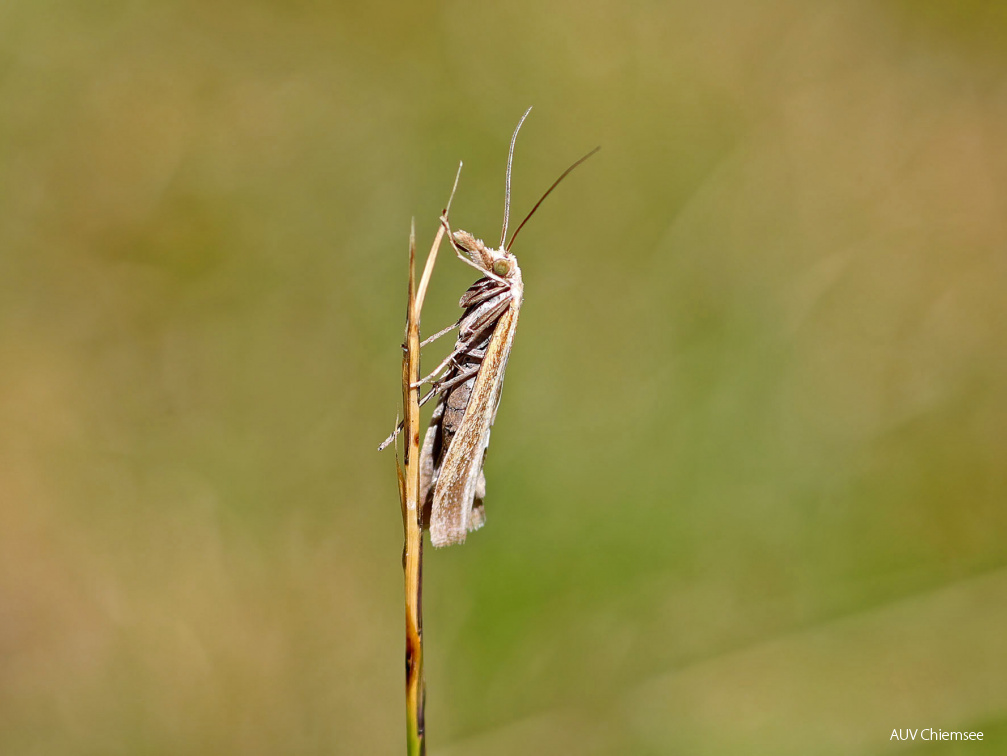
<point>510,159</point>
<point>547,193</point>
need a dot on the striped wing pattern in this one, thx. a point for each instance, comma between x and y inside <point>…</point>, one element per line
<point>451,515</point>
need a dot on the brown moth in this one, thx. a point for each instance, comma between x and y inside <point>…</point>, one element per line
<point>469,381</point>
<point>452,482</point>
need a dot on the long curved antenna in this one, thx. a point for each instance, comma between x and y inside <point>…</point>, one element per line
<point>510,159</point>
<point>547,193</point>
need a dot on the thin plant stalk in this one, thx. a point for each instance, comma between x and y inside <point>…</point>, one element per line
<point>409,486</point>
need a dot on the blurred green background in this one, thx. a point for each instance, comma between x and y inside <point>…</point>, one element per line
<point>747,483</point>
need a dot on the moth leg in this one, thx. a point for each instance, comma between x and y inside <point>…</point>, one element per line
<point>482,318</point>
<point>398,429</point>
<point>440,388</point>
<point>443,366</point>
<point>430,393</point>
<point>460,349</point>
<point>432,339</point>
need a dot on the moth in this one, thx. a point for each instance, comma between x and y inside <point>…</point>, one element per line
<point>468,383</point>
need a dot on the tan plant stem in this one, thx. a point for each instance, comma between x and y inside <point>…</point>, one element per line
<point>409,485</point>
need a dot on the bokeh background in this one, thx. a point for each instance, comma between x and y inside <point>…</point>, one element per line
<point>747,483</point>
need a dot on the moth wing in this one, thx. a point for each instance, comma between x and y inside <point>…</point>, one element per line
<point>478,517</point>
<point>457,485</point>
<point>428,457</point>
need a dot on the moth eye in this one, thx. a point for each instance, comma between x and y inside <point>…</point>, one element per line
<point>501,267</point>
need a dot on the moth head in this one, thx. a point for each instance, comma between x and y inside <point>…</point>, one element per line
<point>499,262</point>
